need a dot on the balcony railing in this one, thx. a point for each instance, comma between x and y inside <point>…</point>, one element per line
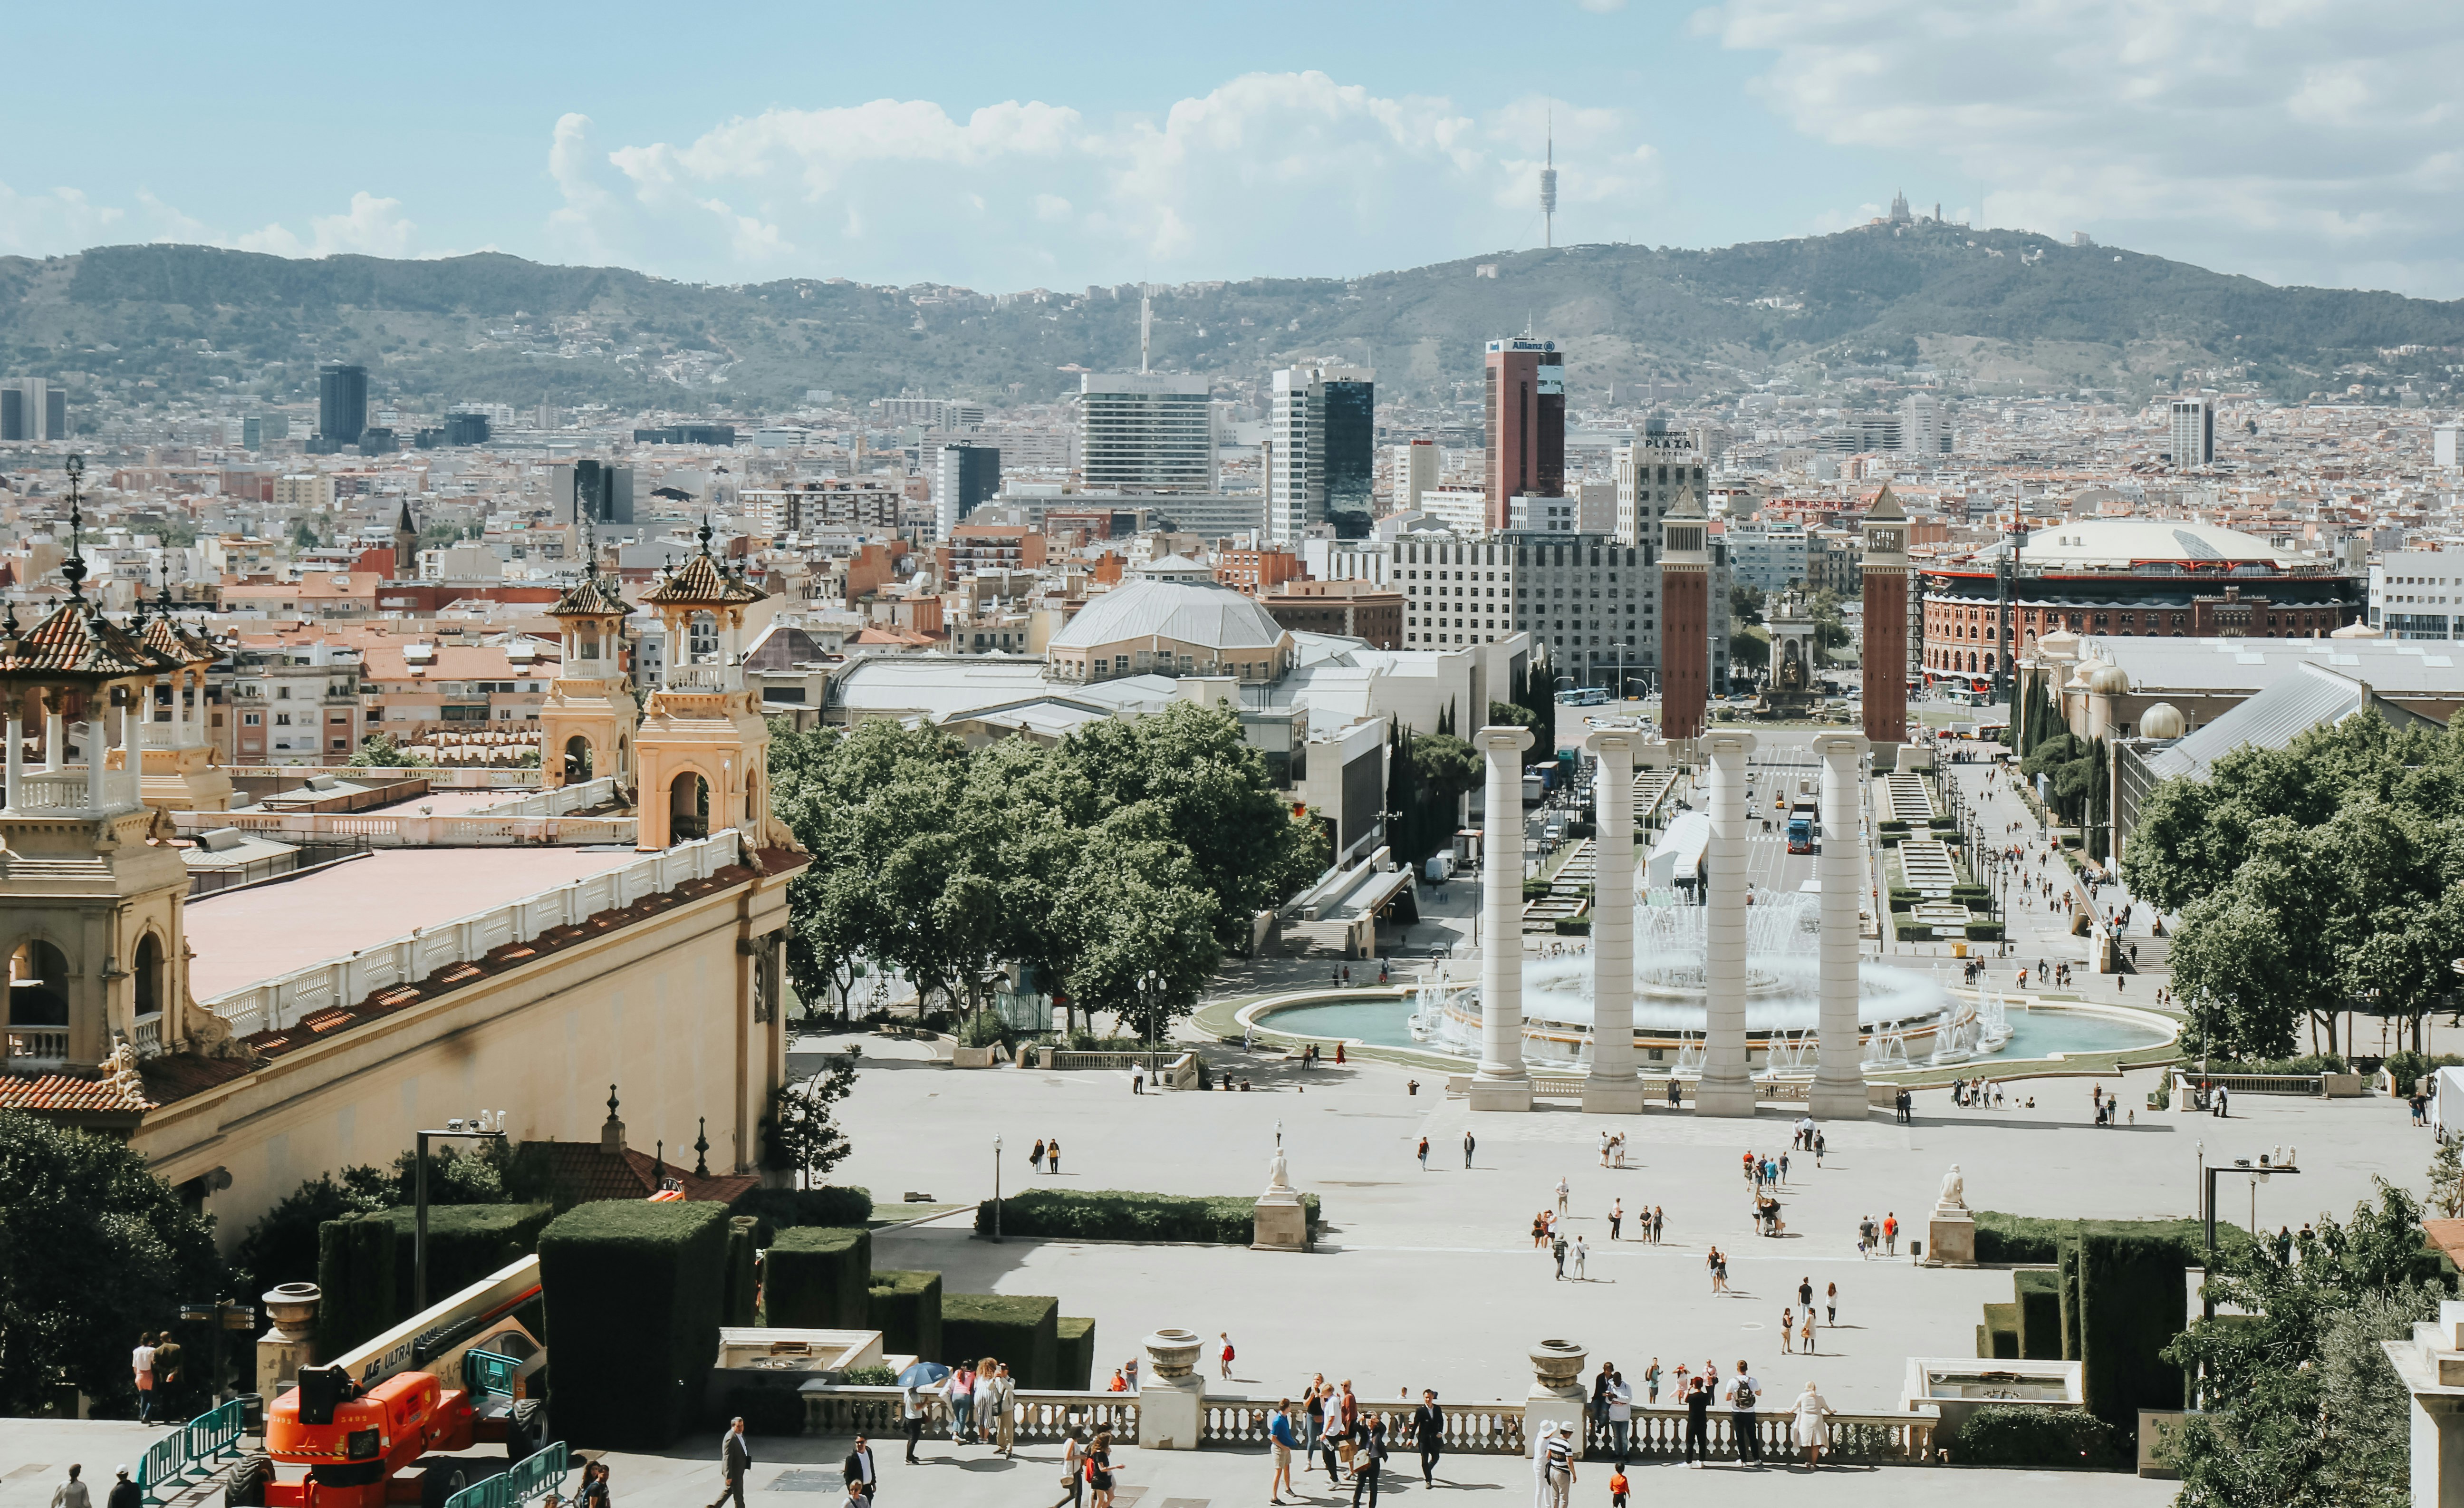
<point>706,678</point>
<point>145,1034</point>
<point>65,792</point>
<point>36,1048</point>
<point>170,736</point>
<point>284,1000</point>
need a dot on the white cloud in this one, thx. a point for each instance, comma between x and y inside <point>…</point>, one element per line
<point>1268,172</point>
<point>2294,139</point>
<point>372,227</point>
<point>48,223</point>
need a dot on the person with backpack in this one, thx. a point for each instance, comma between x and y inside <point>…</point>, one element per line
<point>1744,1423</point>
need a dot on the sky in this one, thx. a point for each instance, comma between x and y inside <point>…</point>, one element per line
<point>1003,147</point>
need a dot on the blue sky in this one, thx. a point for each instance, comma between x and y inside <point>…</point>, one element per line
<point>1006,147</point>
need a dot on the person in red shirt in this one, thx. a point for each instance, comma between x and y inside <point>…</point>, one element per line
<point>1890,1235</point>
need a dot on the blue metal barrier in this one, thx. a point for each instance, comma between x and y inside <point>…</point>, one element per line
<point>191,1451</point>
<point>534,1476</point>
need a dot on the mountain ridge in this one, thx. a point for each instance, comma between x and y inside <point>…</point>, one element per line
<point>1993,311</point>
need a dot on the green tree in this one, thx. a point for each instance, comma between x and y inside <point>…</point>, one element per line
<point>2298,1405</point>
<point>93,1249</point>
<point>281,1246</point>
<point>1746,603</point>
<point>1830,630</point>
<point>1751,650</point>
<point>799,1134</point>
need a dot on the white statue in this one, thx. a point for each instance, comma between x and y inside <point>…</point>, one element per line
<point>1953,1190</point>
<point>1276,1176</point>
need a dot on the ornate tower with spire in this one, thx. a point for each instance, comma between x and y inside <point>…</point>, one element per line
<point>587,725</point>
<point>91,895</point>
<point>703,749</point>
<point>406,545</point>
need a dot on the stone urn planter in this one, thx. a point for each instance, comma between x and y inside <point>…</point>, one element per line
<point>1557,1365</point>
<point>292,1307</point>
<point>1174,1353</point>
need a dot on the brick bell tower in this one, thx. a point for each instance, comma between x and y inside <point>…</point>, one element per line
<point>1684,618</point>
<point>1886,620</point>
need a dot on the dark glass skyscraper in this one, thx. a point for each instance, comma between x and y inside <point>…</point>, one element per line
<point>1351,452</point>
<point>342,403</point>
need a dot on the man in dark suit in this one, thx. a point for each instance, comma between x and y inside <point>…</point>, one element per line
<point>860,1479</point>
<point>735,1459</point>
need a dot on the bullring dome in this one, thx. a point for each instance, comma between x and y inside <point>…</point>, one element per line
<point>1185,612</point>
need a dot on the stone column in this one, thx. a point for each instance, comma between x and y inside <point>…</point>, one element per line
<point>56,732</point>
<point>1611,1087</point>
<point>1502,1084</point>
<point>1840,1080</point>
<point>1727,1087</point>
<point>17,753</point>
<point>98,744</point>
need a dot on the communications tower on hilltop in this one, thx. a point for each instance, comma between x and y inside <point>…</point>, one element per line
<point>1549,187</point>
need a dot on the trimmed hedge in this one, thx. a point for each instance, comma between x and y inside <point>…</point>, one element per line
<point>1021,1329</point>
<point>1903,898</point>
<point>2033,1240</point>
<point>633,1292</point>
<point>2038,1297</point>
<point>2001,1332</point>
<point>1115,1214</point>
<point>355,1267</point>
<point>466,1243</point>
<point>1074,1353</point>
<point>1573,926</point>
<point>766,1411</point>
<point>737,1304</point>
<point>785,1208</point>
<point>2132,1301</point>
<point>905,1308</point>
<point>818,1279</point>
<point>2015,1434</point>
<point>1985,932</point>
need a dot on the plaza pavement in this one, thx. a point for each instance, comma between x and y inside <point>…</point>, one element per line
<point>1429,1278</point>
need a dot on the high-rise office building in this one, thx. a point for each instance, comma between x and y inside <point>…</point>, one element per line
<point>1924,425</point>
<point>342,403</point>
<point>2194,432</point>
<point>594,490</point>
<point>1416,472</point>
<point>462,428</point>
<point>1651,473</point>
<point>32,408</point>
<point>1145,433</point>
<point>964,478</point>
<point>1526,407</point>
<point>1321,452</point>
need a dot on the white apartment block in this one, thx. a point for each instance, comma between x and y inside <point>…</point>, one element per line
<point>1461,511</point>
<point>2418,595</point>
<point>932,413</point>
<point>2192,439</point>
<point>1590,599</point>
<point>1414,472</point>
<point>1651,473</point>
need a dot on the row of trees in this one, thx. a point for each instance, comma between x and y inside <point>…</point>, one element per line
<point>2321,878</point>
<point>1133,846</point>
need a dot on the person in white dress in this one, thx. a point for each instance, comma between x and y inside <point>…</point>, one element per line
<point>1810,1411</point>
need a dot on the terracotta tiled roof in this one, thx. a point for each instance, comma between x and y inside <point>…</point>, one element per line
<point>699,581</point>
<point>173,642</point>
<point>587,1172</point>
<point>176,1075</point>
<point>592,596</point>
<point>76,640</point>
<point>66,1093</point>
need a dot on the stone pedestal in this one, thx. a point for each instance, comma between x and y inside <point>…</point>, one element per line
<point>1556,1395</point>
<point>1171,1400</point>
<point>1279,1222</point>
<point>1950,1239</point>
<point>283,1349</point>
<point>1502,1083</point>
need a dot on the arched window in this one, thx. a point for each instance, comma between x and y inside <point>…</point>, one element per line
<point>703,639</point>
<point>576,760</point>
<point>149,976</point>
<point>688,808</point>
<point>38,985</point>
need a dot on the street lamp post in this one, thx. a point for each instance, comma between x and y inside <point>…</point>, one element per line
<point>2281,1161</point>
<point>485,1126</point>
<point>1150,1000</point>
<point>996,1150</point>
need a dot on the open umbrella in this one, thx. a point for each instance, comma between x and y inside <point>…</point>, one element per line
<point>923,1374</point>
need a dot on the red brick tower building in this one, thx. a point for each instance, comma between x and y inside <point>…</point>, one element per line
<point>1684,618</point>
<point>1525,405</point>
<point>1886,620</point>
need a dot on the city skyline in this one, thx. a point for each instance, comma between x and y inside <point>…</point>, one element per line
<point>2300,147</point>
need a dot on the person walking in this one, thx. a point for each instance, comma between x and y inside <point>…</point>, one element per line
<point>73,1493</point>
<point>1052,1156</point>
<point>1831,1306</point>
<point>1564,1193</point>
<point>1698,1422</point>
<point>1099,1468</point>
<point>1347,1416</point>
<point>1553,1463</point>
<point>1313,1416</point>
<point>1581,1254</point>
<point>594,1484</point>
<point>1557,1249</point>
<point>1225,1336</point>
<point>1658,1225</point>
<point>1073,1472</point>
<point>1787,1331</point>
<point>1616,1218</point>
<point>1279,1432</point>
<point>1429,1435</point>
<point>1811,1411</point>
<point>1467,1146</point>
<point>1035,1158</point>
<point>1368,1464</point>
<point>1744,1423</point>
<point>1424,1154</point>
<point>1890,1233</point>
<point>1805,1294</point>
<point>1805,1331</point>
<point>142,1362</point>
<point>123,1493</point>
<point>735,1459</point>
<point>856,1469</point>
<point>910,1418</point>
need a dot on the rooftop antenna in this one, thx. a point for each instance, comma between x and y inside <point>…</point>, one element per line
<point>1548,185</point>
<point>1146,324</point>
